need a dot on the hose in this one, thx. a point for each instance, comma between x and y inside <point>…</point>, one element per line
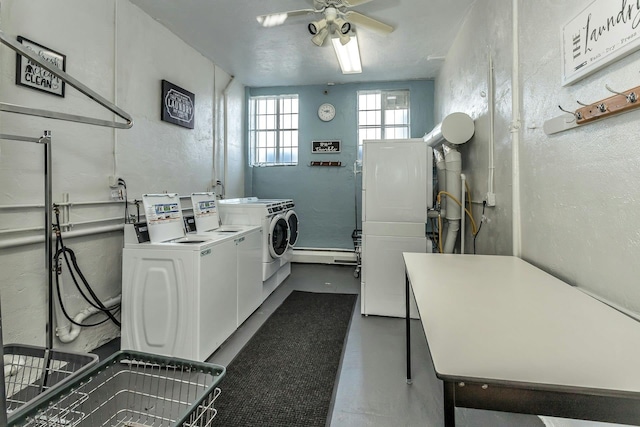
<point>70,259</point>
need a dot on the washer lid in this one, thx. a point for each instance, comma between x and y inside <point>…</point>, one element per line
<point>164,217</point>
<point>205,211</point>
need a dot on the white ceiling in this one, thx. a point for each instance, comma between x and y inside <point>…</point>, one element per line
<point>227,32</point>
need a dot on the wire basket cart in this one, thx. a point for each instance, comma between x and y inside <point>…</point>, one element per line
<point>356,236</point>
<point>131,389</point>
<point>30,372</point>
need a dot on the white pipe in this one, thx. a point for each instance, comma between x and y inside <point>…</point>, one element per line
<point>453,167</point>
<point>70,332</point>
<point>463,178</point>
<point>225,92</point>
<point>21,207</point>
<point>214,131</point>
<point>22,241</point>
<point>492,107</point>
<point>515,137</point>
<point>442,181</point>
<point>456,128</point>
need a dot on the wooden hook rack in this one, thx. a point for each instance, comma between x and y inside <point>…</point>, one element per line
<point>618,103</point>
<point>621,102</point>
<point>325,164</point>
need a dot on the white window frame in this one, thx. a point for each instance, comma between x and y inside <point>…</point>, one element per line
<point>382,108</point>
<point>280,125</point>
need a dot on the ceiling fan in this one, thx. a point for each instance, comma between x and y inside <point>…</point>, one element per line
<point>337,17</point>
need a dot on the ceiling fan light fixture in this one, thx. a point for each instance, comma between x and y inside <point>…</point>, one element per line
<point>348,54</point>
<point>343,26</point>
<point>317,26</point>
<point>318,39</point>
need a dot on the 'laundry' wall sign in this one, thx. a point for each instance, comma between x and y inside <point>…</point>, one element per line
<point>604,32</point>
<point>178,105</point>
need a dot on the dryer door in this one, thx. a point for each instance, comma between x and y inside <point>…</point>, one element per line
<point>278,236</point>
<point>292,221</point>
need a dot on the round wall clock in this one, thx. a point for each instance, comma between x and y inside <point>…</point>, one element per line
<point>326,112</point>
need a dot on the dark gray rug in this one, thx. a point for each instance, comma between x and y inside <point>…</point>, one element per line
<point>285,375</point>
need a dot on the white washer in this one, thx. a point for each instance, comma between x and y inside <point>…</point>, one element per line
<point>179,292</point>
<point>278,240</point>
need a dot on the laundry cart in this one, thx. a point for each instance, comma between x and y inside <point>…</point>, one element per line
<point>131,389</point>
<point>30,372</point>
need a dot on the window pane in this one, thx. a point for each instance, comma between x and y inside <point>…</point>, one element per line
<point>273,138</point>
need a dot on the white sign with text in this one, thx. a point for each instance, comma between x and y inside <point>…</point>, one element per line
<point>604,32</point>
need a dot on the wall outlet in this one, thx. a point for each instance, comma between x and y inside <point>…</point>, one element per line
<point>117,194</point>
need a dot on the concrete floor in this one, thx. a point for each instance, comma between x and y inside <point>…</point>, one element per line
<point>372,389</point>
<point>371,386</point>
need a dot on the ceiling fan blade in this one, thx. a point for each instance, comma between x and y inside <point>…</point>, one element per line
<point>365,21</point>
<point>354,3</point>
<point>273,19</point>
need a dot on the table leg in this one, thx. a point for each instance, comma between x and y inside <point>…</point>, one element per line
<point>408,327</point>
<point>449,404</point>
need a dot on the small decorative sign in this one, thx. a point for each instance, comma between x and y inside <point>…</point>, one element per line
<point>602,33</point>
<point>325,147</point>
<point>178,105</point>
<point>33,75</point>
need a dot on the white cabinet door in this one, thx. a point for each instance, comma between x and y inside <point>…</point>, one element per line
<point>383,275</point>
<point>396,181</point>
<point>249,274</point>
<point>157,302</point>
<point>217,300</point>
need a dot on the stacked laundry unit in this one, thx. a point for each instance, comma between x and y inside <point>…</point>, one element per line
<point>397,191</point>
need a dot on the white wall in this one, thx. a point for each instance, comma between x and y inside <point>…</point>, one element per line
<point>121,53</point>
<point>463,85</point>
<point>579,193</point>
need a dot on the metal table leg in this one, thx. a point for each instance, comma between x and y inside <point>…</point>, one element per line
<point>408,327</point>
<point>449,404</point>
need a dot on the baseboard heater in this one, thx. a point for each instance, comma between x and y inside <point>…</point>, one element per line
<point>324,256</point>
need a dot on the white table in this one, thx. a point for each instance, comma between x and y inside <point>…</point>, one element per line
<point>506,336</point>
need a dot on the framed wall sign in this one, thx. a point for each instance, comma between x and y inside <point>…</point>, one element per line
<point>32,75</point>
<point>178,105</point>
<point>602,33</point>
<point>325,146</point>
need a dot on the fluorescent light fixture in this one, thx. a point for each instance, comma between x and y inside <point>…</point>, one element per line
<point>273,19</point>
<point>348,55</point>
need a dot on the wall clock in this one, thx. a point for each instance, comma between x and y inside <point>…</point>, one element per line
<point>326,112</point>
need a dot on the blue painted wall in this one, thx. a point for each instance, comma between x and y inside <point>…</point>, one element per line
<point>326,197</point>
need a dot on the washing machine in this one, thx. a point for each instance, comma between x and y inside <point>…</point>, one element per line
<point>179,291</point>
<point>248,240</point>
<point>276,217</point>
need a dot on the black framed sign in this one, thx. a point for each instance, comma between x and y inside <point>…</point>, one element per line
<point>325,146</point>
<point>178,105</point>
<point>32,75</point>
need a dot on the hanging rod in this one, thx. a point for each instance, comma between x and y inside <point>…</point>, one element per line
<point>11,108</point>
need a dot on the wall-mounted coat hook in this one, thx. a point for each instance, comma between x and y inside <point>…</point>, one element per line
<point>620,102</point>
<point>576,114</point>
<point>631,97</point>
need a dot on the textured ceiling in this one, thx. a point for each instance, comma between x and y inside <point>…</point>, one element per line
<point>226,31</point>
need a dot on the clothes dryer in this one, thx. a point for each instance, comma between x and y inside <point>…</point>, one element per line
<point>179,292</point>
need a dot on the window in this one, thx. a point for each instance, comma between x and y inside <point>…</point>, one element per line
<point>273,130</point>
<point>382,114</point>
